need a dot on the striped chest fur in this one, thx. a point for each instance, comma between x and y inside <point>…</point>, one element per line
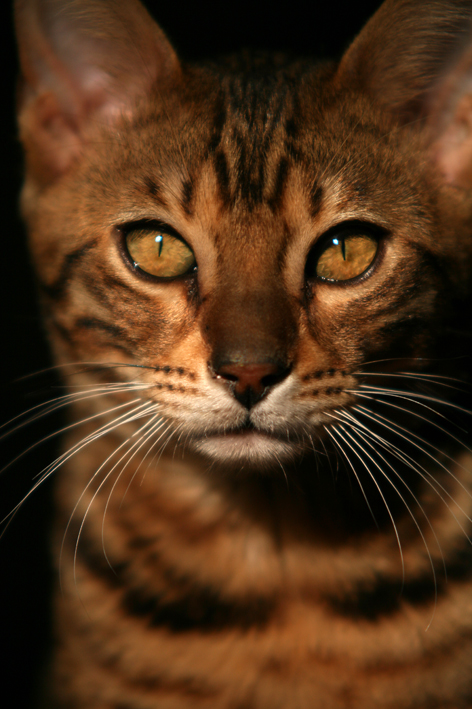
<point>255,275</point>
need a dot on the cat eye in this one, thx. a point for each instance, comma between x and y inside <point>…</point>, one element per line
<point>344,255</point>
<point>159,252</point>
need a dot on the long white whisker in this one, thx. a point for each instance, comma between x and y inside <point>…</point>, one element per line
<point>85,367</point>
<point>379,490</point>
<point>329,431</point>
<point>438,379</point>
<point>415,521</point>
<point>96,473</point>
<point>128,416</point>
<point>145,437</point>
<point>418,416</point>
<point>407,394</point>
<point>428,478</point>
<point>52,467</point>
<point>62,430</point>
<point>408,436</point>
<point>62,401</point>
<point>151,448</point>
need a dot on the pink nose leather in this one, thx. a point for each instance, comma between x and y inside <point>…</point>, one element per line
<point>248,376</point>
<point>249,382</point>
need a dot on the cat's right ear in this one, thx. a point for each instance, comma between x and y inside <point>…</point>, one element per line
<point>83,62</point>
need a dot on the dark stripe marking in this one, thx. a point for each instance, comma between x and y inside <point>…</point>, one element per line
<point>324,373</point>
<point>222,173</point>
<point>111,282</point>
<point>197,607</point>
<point>316,198</point>
<point>218,125</point>
<point>68,335</point>
<point>117,333</point>
<point>151,186</point>
<point>275,200</point>
<point>63,331</point>
<point>186,686</point>
<point>187,196</point>
<point>387,596</point>
<point>154,190</point>
<point>56,289</point>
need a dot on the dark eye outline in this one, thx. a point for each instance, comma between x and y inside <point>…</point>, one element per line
<point>342,231</point>
<point>153,225</point>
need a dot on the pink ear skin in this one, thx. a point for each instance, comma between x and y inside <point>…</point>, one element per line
<point>83,59</point>
<point>451,124</point>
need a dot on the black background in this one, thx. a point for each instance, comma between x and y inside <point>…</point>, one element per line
<point>197,30</point>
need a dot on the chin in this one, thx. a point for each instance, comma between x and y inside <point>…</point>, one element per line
<point>253,449</point>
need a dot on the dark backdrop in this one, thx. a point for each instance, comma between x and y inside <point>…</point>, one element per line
<point>198,29</point>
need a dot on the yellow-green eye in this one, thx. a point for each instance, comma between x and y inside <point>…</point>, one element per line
<point>346,257</point>
<point>159,253</point>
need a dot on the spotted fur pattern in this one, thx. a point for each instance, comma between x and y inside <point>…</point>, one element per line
<point>305,545</point>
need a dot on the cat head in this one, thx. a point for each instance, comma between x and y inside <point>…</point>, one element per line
<point>249,234</point>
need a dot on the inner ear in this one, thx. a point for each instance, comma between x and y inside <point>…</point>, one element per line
<point>450,123</point>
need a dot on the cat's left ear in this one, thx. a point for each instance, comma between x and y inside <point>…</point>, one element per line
<point>414,60</point>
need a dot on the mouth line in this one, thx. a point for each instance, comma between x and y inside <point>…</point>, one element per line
<point>246,430</point>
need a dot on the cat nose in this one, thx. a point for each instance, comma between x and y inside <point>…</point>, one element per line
<point>251,382</point>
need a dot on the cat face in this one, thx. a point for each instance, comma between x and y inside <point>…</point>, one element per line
<point>249,237</point>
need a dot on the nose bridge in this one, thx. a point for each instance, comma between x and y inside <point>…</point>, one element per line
<point>250,320</point>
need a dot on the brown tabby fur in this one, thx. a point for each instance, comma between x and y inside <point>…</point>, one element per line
<point>237,565</point>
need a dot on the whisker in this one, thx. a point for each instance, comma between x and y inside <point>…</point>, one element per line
<point>437,379</point>
<point>409,411</point>
<point>412,359</point>
<point>136,446</point>
<point>62,430</point>
<point>379,490</point>
<point>103,464</point>
<point>60,460</point>
<point>395,428</point>
<point>415,521</point>
<point>157,454</point>
<point>405,394</point>
<point>419,469</point>
<point>84,367</point>
<point>62,401</point>
<point>157,428</point>
<point>421,418</point>
<point>329,431</point>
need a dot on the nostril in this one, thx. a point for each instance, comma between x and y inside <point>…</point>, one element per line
<point>226,375</point>
<point>250,382</point>
<point>271,380</point>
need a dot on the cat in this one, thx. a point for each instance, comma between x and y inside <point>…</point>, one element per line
<point>255,275</point>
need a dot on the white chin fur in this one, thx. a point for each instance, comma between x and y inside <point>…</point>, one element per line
<point>248,448</point>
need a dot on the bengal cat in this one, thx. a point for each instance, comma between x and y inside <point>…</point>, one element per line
<point>255,276</point>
